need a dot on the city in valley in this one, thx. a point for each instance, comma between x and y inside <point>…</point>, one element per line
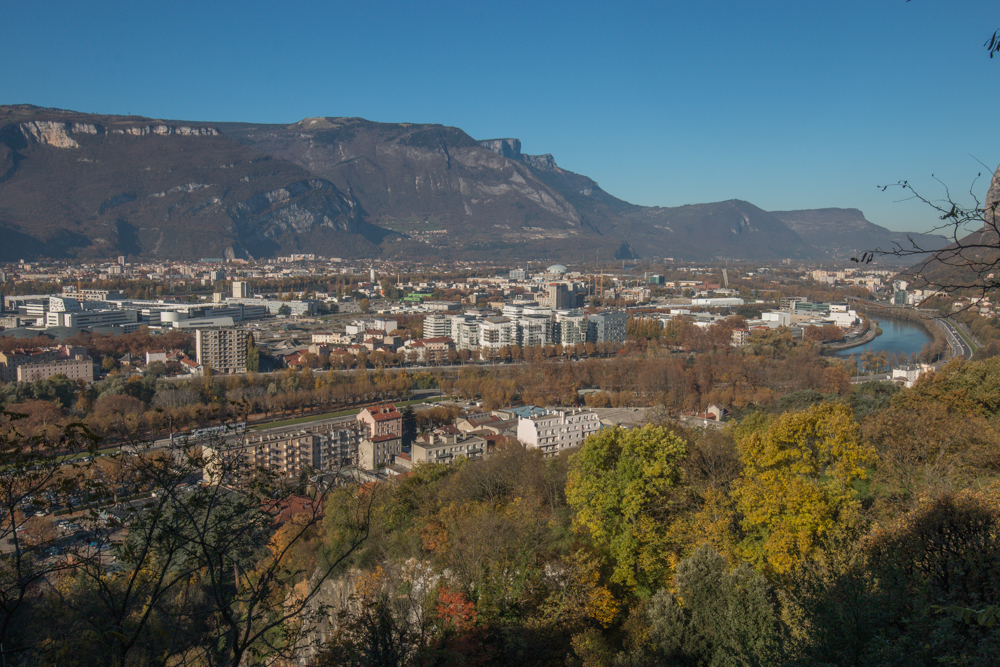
<point>452,417</point>
<point>528,334</point>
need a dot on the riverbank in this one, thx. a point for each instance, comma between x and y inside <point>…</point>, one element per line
<point>897,313</point>
<point>870,335</point>
<point>933,347</point>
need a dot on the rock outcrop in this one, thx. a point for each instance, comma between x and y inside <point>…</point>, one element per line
<point>511,149</point>
<point>57,134</point>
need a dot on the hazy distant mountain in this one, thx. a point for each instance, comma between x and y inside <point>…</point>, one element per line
<point>842,233</point>
<point>82,185</point>
<point>731,229</point>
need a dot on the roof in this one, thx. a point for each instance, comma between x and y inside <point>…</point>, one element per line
<point>384,412</point>
<point>483,419</point>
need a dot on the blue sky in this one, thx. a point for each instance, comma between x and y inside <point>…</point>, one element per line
<point>786,104</point>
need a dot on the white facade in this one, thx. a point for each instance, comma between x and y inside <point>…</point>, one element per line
<point>557,430</point>
<point>437,326</point>
<point>535,330</point>
<point>496,332</point>
<point>572,327</point>
<point>782,317</point>
<point>92,318</point>
<point>717,302</point>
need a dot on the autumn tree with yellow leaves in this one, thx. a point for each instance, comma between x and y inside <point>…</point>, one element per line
<point>797,489</point>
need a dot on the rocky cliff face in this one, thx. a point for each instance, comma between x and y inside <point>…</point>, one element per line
<point>511,149</point>
<point>435,185</point>
<point>57,134</point>
<point>82,185</point>
<point>75,185</point>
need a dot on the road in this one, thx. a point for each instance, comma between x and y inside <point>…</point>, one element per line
<point>955,340</point>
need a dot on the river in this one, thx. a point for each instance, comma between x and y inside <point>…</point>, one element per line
<point>897,336</point>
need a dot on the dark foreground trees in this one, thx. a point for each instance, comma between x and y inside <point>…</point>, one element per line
<point>155,568</point>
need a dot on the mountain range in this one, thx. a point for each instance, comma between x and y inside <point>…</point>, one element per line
<point>77,185</point>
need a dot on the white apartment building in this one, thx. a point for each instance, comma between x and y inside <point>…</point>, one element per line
<point>496,332</point>
<point>437,325</point>
<point>534,330</point>
<point>445,448</point>
<point>465,332</point>
<point>513,310</point>
<point>557,430</point>
<point>571,326</point>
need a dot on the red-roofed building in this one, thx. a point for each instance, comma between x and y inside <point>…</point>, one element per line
<point>382,420</point>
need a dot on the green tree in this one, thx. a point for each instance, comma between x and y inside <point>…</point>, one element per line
<point>620,484</point>
<point>717,616</point>
<point>253,355</point>
<point>285,310</point>
<point>409,425</point>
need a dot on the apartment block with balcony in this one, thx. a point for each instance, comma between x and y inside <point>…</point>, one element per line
<point>43,363</point>
<point>571,327</point>
<point>381,450</point>
<point>225,350</point>
<point>496,332</point>
<point>606,327</point>
<point>557,430</point>
<point>446,448</point>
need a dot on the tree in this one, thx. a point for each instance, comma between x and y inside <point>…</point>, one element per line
<point>33,479</point>
<point>797,484</point>
<point>253,355</point>
<point>409,425</point>
<point>204,575</point>
<point>285,310</point>
<point>620,485</point>
<point>365,306</point>
<point>717,616</point>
